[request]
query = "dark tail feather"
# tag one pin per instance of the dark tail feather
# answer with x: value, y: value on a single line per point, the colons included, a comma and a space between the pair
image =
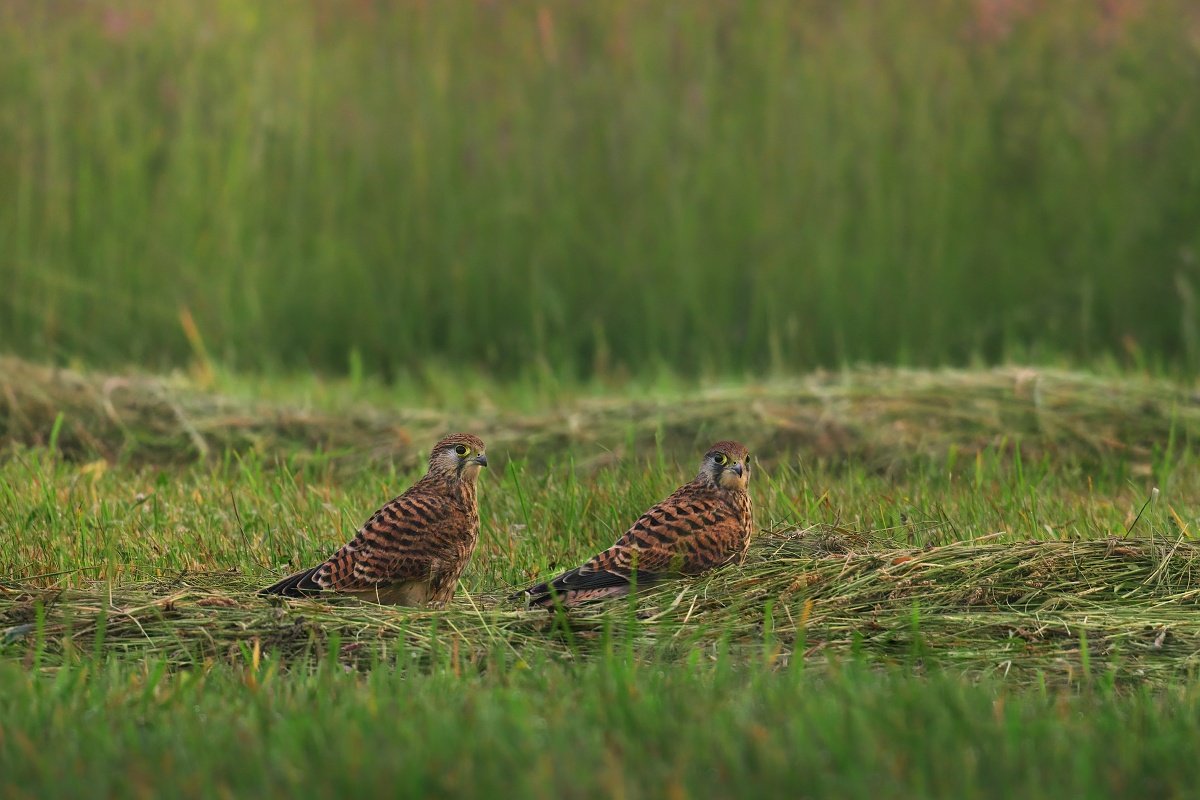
x: 299, y: 585
x: 542, y: 594
x: 569, y: 589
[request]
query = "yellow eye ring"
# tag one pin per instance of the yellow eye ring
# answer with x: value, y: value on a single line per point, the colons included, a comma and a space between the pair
x: 720, y: 459
x: 462, y: 450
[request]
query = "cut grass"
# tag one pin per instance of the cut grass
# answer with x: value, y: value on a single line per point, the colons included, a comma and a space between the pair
x: 1050, y: 611
x: 878, y: 419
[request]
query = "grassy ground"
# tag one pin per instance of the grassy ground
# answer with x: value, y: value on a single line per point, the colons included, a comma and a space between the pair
x: 984, y: 586
x: 967, y: 583
x: 613, y: 728
x: 594, y: 188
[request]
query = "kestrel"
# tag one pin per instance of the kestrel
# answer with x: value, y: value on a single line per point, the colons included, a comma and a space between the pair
x: 414, y: 549
x: 703, y: 525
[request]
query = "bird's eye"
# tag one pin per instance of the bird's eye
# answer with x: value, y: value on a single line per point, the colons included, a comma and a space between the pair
x: 720, y: 459
x: 462, y: 450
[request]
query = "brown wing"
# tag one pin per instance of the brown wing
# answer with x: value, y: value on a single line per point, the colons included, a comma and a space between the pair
x: 409, y: 539
x: 692, y: 531
x: 421, y: 535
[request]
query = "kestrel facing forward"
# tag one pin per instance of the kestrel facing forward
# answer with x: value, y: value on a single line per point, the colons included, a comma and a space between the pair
x: 414, y: 549
x: 703, y: 525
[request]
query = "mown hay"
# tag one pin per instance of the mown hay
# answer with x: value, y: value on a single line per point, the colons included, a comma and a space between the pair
x: 1058, y: 608
x: 881, y: 418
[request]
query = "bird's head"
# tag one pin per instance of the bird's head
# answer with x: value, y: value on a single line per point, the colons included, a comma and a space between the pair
x: 726, y: 464
x: 458, y: 456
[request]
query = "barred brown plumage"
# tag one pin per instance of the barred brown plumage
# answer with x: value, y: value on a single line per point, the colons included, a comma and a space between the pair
x: 413, y: 550
x: 704, y: 524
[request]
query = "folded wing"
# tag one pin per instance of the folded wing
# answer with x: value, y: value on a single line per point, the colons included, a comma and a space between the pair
x: 686, y: 534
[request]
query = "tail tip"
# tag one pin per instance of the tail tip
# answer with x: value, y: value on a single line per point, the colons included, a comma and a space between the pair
x: 291, y: 586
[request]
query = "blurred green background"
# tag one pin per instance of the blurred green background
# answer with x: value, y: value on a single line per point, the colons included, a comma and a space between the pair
x: 599, y: 188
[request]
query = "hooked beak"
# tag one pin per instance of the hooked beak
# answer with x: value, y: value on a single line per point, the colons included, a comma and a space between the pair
x: 737, y: 469
x: 480, y: 459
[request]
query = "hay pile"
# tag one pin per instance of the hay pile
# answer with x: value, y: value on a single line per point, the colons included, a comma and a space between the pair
x: 881, y: 418
x: 168, y: 421
x: 1129, y: 606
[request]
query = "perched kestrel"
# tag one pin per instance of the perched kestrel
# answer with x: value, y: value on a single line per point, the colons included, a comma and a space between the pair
x: 703, y: 525
x: 414, y: 549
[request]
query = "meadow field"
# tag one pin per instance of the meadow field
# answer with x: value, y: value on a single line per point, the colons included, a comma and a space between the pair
x: 935, y: 266
x: 599, y: 188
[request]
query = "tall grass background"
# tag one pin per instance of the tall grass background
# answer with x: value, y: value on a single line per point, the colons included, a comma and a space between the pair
x: 599, y: 188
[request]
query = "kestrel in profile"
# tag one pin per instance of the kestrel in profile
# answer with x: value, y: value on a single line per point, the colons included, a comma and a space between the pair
x: 703, y: 525
x: 414, y: 549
